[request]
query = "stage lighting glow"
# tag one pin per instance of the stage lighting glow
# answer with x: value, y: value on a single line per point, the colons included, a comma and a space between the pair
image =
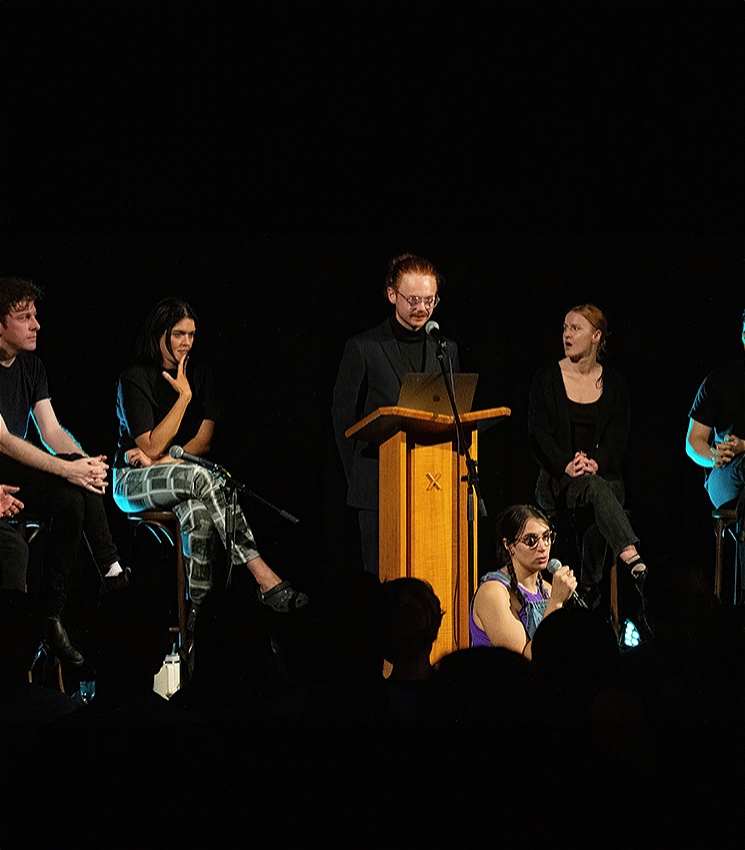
x: 631, y: 636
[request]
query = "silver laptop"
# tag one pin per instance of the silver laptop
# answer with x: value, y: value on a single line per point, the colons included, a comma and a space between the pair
x: 426, y: 391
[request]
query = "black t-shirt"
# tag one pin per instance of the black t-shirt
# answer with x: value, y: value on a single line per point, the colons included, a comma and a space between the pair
x: 22, y: 384
x: 144, y: 397
x: 720, y: 401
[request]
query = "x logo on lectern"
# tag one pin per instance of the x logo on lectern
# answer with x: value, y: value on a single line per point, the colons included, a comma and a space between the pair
x: 433, y: 481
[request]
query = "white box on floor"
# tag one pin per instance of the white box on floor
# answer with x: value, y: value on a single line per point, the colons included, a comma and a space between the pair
x: 168, y: 679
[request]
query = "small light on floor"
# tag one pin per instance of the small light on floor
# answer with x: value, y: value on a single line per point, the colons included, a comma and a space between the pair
x: 631, y: 636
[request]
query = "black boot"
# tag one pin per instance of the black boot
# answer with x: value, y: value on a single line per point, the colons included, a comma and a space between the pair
x: 120, y: 582
x: 59, y: 643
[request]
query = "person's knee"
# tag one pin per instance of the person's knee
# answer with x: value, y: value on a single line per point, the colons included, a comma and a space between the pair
x: 598, y: 488
x: 62, y: 503
x: 68, y: 502
x: 204, y: 483
x: 194, y: 519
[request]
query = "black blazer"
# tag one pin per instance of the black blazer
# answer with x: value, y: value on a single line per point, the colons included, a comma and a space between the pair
x: 370, y: 376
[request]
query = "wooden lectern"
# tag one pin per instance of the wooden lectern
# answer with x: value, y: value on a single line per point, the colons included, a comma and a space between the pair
x: 423, y: 506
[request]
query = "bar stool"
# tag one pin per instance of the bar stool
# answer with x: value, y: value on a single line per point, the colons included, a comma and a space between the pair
x: 725, y: 519
x: 164, y: 525
x: 573, y: 520
x: 29, y: 527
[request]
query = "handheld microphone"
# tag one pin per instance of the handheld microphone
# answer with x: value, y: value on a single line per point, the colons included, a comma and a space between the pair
x: 177, y: 453
x: 433, y: 329
x: 555, y: 564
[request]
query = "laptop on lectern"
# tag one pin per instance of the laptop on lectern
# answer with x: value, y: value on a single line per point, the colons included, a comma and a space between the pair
x: 426, y: 391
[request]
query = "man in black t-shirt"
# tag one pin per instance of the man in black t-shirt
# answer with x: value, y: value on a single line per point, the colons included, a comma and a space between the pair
x: 716, y: 439
x: 63, y: 485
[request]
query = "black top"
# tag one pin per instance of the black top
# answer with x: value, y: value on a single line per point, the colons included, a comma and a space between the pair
x: 584, y: 424
x: 720, y: 401
x: 410, y: 344
x: 144, y: 397
x: 551, y: 431
x: 22, y: 384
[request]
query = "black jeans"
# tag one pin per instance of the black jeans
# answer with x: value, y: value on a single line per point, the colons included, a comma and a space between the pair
x: 13, y: 558
x: 68, y: 511
x: 609, y: 526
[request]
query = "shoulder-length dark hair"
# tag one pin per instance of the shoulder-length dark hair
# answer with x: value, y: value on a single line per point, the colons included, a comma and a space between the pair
x: 161, y: 320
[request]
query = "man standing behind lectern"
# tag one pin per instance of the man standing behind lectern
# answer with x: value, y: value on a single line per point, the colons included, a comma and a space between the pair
x: 370, y: 375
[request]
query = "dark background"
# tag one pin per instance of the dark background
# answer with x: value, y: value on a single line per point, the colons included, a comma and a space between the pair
x: 266, y: 167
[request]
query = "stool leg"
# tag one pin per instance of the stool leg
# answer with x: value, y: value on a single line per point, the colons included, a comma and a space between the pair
x: 719, y: 531
x: 185, y: 642
x: 736, y: 577
x: 165, y: 535
x: 614, y: 597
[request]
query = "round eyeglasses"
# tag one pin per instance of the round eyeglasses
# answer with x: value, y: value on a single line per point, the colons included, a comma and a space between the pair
x: 429, y: 301
x: 532, y: 540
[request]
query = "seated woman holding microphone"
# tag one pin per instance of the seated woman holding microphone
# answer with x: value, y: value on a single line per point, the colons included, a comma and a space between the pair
x: 511, y: 602
x: 161, y: 403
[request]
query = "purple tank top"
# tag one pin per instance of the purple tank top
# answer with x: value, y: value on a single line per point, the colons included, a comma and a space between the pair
x: 530, y: 614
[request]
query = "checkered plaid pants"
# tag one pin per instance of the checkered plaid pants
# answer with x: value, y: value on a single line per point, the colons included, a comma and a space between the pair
x: 197, y: 498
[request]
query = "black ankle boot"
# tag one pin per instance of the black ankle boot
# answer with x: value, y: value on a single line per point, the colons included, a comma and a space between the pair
x: 59, y: 642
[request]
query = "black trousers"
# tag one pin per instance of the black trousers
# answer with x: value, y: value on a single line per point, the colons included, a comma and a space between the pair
x: 68, y: 511
x: 13, y: 558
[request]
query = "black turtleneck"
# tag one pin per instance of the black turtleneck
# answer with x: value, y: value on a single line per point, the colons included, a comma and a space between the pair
x: 410, y: 344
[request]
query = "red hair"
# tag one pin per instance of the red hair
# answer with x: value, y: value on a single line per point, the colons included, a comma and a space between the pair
x: 597, y: 318
x: 409, y: 264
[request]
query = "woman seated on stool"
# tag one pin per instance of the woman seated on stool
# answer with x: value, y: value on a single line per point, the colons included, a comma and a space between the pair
x: 579, y: 420
x: 511, y: 602
x: 161, y: 402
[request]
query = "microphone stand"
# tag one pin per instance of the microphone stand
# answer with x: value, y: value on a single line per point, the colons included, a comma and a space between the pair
x: 232, y: 487
x: 472, y: 475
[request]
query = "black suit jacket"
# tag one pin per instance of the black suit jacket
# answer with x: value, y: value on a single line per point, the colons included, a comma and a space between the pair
x: 370, y: 376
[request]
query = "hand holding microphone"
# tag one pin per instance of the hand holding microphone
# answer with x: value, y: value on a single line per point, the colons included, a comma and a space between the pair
x: 564, y: 583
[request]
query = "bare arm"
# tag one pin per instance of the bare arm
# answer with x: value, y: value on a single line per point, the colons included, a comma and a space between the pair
x: 702, y: 451
x: 494, y: 613
x: 52, y: 433
x: 88, y: 472
x: 200, y: 443
x: 155, y: 443
x: 698, y: 444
